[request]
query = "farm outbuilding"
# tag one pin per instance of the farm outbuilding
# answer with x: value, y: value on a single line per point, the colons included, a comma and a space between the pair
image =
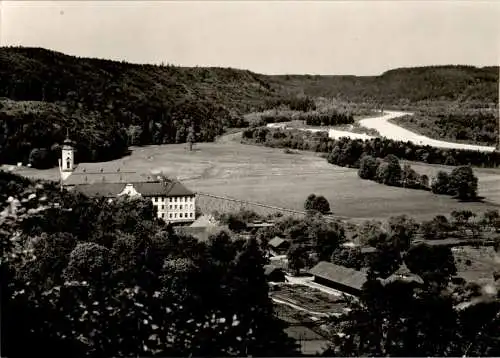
x: 339, y: 277
x: 274, y: 274
x: 278, y: 246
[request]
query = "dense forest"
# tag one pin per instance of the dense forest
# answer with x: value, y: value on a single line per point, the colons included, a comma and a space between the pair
x: 34, y: 131
x: 129, y: 104
x: 141, y: 104
x: 123, y: 283
x: 403, y: 86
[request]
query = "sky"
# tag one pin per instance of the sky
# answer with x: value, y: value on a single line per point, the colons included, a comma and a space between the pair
x: 271, y: 37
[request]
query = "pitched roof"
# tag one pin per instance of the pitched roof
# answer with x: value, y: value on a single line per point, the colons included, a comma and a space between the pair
x: 175, y: 188
x: 204, y: 221
x: 146, y: 189
x: 343, y: 275
x: 107, y: 190
x: 84, y: 176
x: 269, y: 269
x: 403, y: 270
x: 276, y: 242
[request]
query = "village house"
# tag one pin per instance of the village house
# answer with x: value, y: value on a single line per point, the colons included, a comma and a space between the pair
x: 340, y: 278
x: 278, y: 246
x: 274, y: 274
x: 174, y: 203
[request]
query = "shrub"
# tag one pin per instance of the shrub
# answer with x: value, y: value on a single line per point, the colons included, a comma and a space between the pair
x: 441, y: 183
x: 368, y: 167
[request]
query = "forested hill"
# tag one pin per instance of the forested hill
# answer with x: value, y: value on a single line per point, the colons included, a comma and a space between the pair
x: 403, y: 85
x: 142, y: 104
x: 46, y: 92
x: 43, y: 75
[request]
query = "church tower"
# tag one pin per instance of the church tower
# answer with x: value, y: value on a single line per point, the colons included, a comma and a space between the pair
x: 67, y: 161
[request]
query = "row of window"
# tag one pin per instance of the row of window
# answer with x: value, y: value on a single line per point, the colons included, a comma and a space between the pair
x: 170, y: 207
x: 181, y: 216
x: 180, y: 199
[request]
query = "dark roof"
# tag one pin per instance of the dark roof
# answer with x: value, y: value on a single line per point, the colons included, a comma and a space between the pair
x: 175, y: 188
x: 276, y: 242
x: 269, y: 269
x: 68, y: 141
x: 146, y: 189
x: 340, y: 274
x: 90, y: 176
x: 108, y: 190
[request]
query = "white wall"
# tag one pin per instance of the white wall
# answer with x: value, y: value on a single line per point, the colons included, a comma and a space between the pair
x: 176, y: 209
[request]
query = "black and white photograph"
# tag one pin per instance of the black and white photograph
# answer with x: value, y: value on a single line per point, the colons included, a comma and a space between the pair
x: 233, y: 178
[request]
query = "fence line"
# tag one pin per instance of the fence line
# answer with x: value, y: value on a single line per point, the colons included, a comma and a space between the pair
x: 267, y: 206
x: 252, y: 203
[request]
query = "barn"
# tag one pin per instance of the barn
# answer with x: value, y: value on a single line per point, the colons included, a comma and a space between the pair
x: 338, y: 277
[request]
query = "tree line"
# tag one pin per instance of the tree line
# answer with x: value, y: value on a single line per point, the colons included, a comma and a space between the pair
x: 348, y: 152
x: 461, y: 182
x: 312, y: 118
x: 401, y: 86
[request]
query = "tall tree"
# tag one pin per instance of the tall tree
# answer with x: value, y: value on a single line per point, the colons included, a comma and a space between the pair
x: 463, y: 183
x: 190, y: 139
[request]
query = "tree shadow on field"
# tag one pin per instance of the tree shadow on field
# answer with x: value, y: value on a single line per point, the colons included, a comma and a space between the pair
x: 477, y: 199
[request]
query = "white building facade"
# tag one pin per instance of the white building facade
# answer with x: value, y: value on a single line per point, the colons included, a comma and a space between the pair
x: 174, y: 203
x: 180, y: 208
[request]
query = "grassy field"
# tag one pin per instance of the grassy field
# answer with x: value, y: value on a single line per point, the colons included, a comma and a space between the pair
x: 476, y: 263
x: 270, y: 176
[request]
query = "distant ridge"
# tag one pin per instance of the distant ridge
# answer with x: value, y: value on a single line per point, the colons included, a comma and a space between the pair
x: 109, y: 105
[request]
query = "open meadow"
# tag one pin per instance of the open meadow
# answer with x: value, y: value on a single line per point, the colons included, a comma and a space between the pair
x: 271, y: 176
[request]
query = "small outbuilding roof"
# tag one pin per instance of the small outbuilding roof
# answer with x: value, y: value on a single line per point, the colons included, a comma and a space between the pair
x: 340, y: 274
x: 276, y: 242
